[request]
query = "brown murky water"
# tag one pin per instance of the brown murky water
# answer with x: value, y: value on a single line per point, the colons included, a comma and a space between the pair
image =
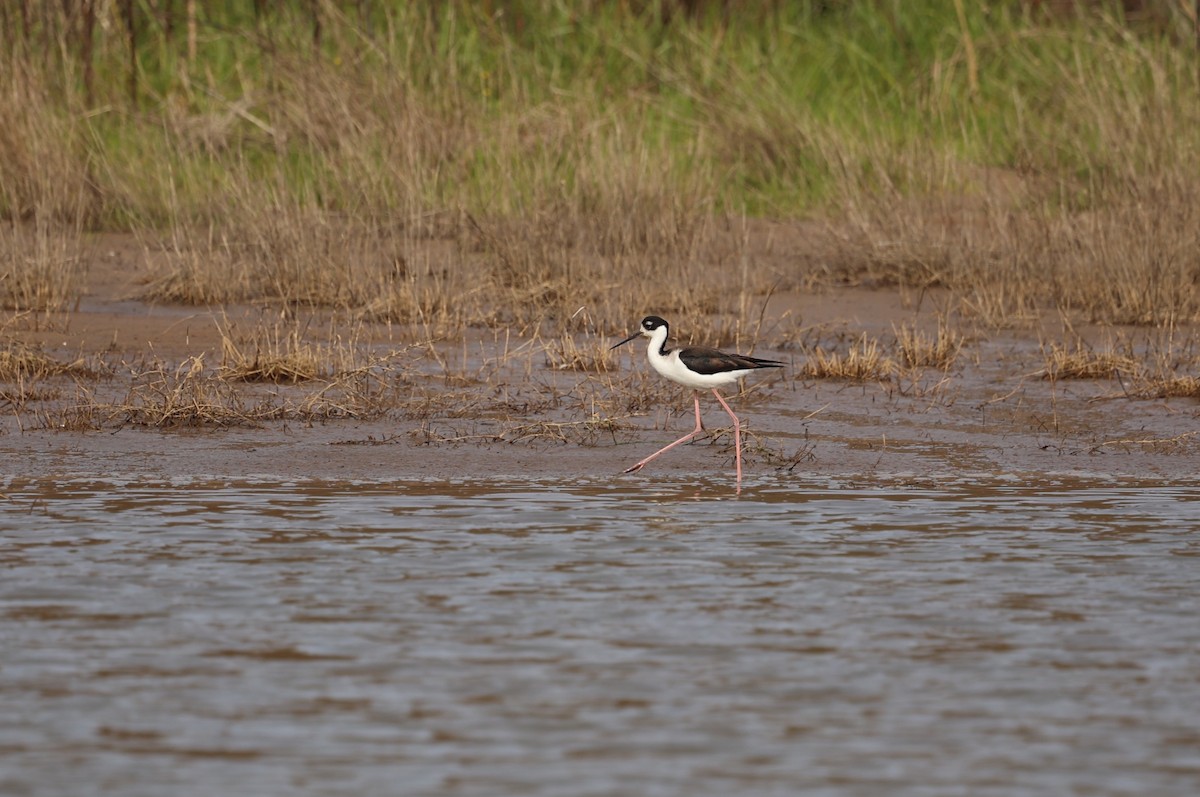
x: 538, y: 637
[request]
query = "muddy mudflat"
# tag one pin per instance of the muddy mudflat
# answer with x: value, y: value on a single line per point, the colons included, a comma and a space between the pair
x: 488, y: 402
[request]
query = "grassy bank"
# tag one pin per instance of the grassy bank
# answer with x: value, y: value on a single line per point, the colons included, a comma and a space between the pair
x: 461, y: 163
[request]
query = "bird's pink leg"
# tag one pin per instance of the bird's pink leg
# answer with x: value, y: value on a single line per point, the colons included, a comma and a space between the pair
x: 737, y: 436
x: 699, y: 428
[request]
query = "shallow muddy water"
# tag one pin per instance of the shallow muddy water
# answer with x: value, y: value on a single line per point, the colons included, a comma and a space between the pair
x: 591, y: 637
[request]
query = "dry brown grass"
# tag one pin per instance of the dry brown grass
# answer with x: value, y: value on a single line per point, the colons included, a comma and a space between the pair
x: 45, y: 177
x: 272, y: 355
x: 1169, y: 386
x: 289, y: 255
x: 191, y: 394
x: 196, y: 269
x: 160, y: 397
x: 1080, y: 361
x: 1103, y: 225
x: 27, y: 376
x: 1131, y: 262
x: 463, y: 272
x: 21, y: 362
x: 568, y: 353
x: 268, y: 373
x: 919, y: 349
x: 863, y: 361
x: 1169, y: 365
x: 40, y: 268
x: 184, y: 396
x: 1153, y: 364
x: 47, y: 196
x: 280, y: 372
x: 343, y: 364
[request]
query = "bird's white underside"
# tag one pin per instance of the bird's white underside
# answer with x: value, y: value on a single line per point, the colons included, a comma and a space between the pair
x: 671, y: 367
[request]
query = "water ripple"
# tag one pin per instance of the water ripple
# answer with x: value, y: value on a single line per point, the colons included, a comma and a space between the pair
x: 585, y: 637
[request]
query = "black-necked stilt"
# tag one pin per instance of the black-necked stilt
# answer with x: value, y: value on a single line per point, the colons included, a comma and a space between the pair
x: 698, y: 368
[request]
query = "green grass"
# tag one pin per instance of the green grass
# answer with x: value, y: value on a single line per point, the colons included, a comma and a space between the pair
x: 779, y: 110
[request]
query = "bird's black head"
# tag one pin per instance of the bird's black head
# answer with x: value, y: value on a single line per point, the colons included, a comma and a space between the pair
x: 647, y: 327
x: 652, y: 322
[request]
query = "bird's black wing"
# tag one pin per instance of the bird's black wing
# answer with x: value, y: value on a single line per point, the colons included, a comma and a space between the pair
x: 713, y: 361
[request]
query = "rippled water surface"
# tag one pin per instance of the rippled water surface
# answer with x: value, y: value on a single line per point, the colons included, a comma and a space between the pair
x: 585, y: 638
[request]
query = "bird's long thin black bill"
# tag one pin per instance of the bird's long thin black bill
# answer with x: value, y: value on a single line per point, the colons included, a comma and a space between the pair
x: 622, y: 343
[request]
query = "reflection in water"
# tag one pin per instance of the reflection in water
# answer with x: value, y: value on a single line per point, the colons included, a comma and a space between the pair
x: 532, y: 638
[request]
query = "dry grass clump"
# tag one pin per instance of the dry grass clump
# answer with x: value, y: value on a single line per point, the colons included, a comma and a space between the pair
x: 862, y: 362
x: 40, y: 267
x: 426, y: 287
x: 159, y: 397
x: 272, y: 356
x: 284, y: 354
x: 24, y: 372
x: 567, y: 353
x: 301, y: 364
x: 919, y: 349
x: 1133, y: 260
x: 288, y: 254
x: 195, y: 269
x: 20, y: 362
x: 1160, y: 366
x: 192, y: 395
x: 353, y: 382
x: 1171, y: 365
x: 522, y: 273
x: 1083, y: 362
x: 185, y: 396
x: 1136, y: 260
x: 1169, y: 386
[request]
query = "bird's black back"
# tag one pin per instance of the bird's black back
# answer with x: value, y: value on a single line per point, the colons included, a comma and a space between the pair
x: 713, y: 361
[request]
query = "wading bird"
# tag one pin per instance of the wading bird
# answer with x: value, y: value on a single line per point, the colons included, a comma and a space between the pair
x: 700, y: 369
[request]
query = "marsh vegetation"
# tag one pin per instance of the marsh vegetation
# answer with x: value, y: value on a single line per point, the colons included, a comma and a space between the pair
x: 410, y: 174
